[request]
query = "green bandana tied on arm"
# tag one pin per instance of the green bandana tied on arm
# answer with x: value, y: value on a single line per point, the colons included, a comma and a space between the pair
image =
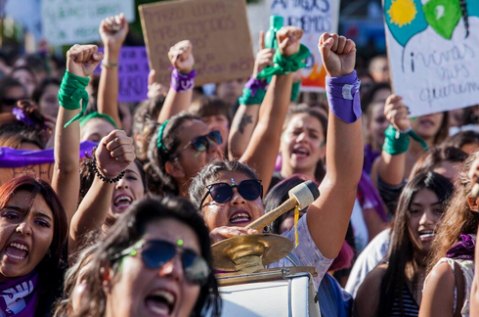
x: 72, y: 91
x: 285, y: 65
x: 397, y: 142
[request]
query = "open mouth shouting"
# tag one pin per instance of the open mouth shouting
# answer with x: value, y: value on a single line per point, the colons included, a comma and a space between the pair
x: 240, y: 217
x: 122, y: 202
x: 300, y: 152
x: 16, y: 251
x: 161, y: 302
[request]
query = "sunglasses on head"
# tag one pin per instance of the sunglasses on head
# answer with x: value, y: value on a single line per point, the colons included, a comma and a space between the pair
x: 202, y: 142
x: 249, y: 189
x: 156, y: 253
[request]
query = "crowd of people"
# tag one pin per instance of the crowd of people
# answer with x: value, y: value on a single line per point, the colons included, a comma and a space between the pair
x: 127, y: 230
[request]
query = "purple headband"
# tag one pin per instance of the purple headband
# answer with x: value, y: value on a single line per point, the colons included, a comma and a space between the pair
x: 22, y: 117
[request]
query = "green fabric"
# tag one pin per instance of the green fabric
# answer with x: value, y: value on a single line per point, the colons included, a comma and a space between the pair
x: 285, y: 65
x: 395, y: 143
x: 295, y: 91
x: 160, y: 136
x: 417, y: 138
x: 72, y: 91
x: 248, y: 99
x: 96, y: 114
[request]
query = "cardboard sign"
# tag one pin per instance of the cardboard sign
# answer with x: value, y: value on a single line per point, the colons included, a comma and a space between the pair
x: 133, y: 72
x: 433, y: 50
x: 218, y: 30
x: 77, y: 22
x: 315, y: 18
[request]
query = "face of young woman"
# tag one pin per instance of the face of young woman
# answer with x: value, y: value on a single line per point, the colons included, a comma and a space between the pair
x: 377, y: 125
x: 12, y: 95
x: 424, y: 214
x: 49, y: 101
x: 190, y: 160
x: 141, y: 291
x: 95, y: 130
x: 238, y: 212
x: 219, y: 123
x: 302, y: 143
x: 27, y: 79
x: 26, y: 233
x: 127, y: 190
x: 427, y: 126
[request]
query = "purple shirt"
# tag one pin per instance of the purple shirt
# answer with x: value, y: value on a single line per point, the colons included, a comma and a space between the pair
x: 18, y: 296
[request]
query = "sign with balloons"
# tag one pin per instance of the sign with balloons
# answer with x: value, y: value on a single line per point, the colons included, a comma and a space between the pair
x: 433, y: 48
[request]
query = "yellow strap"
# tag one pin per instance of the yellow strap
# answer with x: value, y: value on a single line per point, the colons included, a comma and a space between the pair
x: 296, y: 218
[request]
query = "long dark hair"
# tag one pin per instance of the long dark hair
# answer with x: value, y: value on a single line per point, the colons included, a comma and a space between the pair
x: 129, y: 229
x: 40, y: 187
x: 159, y: 181
x: 401, y: 248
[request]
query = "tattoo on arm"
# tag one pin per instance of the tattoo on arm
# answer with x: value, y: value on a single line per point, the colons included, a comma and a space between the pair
x: 245, y: 120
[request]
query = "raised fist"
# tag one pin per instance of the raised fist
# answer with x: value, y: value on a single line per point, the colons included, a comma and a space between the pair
x: 114, y: 153
x: 289, y: 40
x: 181, y: 56
x: 113, y: 31
x: 83, y: 59
x: 338, y: 54
x: 397, y: 113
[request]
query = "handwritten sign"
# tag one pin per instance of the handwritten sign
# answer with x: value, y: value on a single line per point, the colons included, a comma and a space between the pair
x: 433, y: 50
x: 218, y: 30
x: 314, y: 17
x: 133, y: 72
x: 72, y: 22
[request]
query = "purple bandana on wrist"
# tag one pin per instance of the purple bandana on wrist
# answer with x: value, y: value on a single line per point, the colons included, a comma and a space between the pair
x: 464, y: 248
x: 20, y: 115
x: 182, y: 82
x: 254, y: 84
x: 343, y: 97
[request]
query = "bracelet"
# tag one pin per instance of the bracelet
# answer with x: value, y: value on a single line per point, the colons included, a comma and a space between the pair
x: 253, y: 92
x: 109, y: 65
x: 343, y: 97
x: 182, y: 82
x: 99, y: 174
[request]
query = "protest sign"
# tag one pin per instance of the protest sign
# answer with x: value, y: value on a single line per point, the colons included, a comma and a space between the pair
x: 77, y: 22
x: 133, y: 72
x: 37, y: 164
x: 218, y: 30
x: 315, y: 17
x: 433, y: 50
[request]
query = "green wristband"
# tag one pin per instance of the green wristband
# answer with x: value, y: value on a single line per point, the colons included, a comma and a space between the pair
x: 295, y: 91
x: 72, y: 91
x: 395, y: 143
x: 285, y: 65
x: 249, y: 99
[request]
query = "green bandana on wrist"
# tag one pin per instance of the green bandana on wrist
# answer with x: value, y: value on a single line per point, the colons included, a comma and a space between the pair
x: 249, y: 99
x: 397, y: 143
x: 72, y: 91
x: 96, y: 114
x: 295, y: 91
x: 285, y: 65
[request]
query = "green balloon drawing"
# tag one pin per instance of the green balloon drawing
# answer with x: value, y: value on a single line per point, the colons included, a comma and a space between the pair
x: 443, y: 16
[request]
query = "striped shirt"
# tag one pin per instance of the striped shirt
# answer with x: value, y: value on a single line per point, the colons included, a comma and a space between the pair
x: 410, y: 307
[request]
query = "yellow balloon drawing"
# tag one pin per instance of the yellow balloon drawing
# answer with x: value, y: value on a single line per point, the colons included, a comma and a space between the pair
x: 402, y: 12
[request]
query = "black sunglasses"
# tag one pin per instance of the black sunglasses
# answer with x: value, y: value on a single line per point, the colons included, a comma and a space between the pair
x: 156, y: 253
x: 202, y: 142
x: 9, y: 101
x: 249, y: 189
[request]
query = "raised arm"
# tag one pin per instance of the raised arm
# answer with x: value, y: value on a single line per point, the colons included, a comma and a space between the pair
x: 391, y: 165
x: 182, y: 81
x: 329, y: 215
x: 474, y: 299
x: 113, y: 31
x: 263, y: 148
x: 113, y: 155
x: 246, y: 116
x: 81, y: 61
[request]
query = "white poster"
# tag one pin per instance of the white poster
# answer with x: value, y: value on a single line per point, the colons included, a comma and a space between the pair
x: 315, y: 17
x: 433, y: 49
x: 68, y: 22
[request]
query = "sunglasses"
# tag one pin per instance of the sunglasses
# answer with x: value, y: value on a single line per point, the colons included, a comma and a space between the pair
x: 156, y: 253
x: 249, y: 189
x: 9, y: 101
x: 202, y: 142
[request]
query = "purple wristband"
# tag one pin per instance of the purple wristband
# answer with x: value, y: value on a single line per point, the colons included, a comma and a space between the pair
x: 343, y: 97
x: 182, y: 82
x: 254, y: 84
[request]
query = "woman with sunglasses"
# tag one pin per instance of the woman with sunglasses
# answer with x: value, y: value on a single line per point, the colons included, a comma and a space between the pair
x: 229, y: 194
x: 156, y: 261
x: 183, y: 145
